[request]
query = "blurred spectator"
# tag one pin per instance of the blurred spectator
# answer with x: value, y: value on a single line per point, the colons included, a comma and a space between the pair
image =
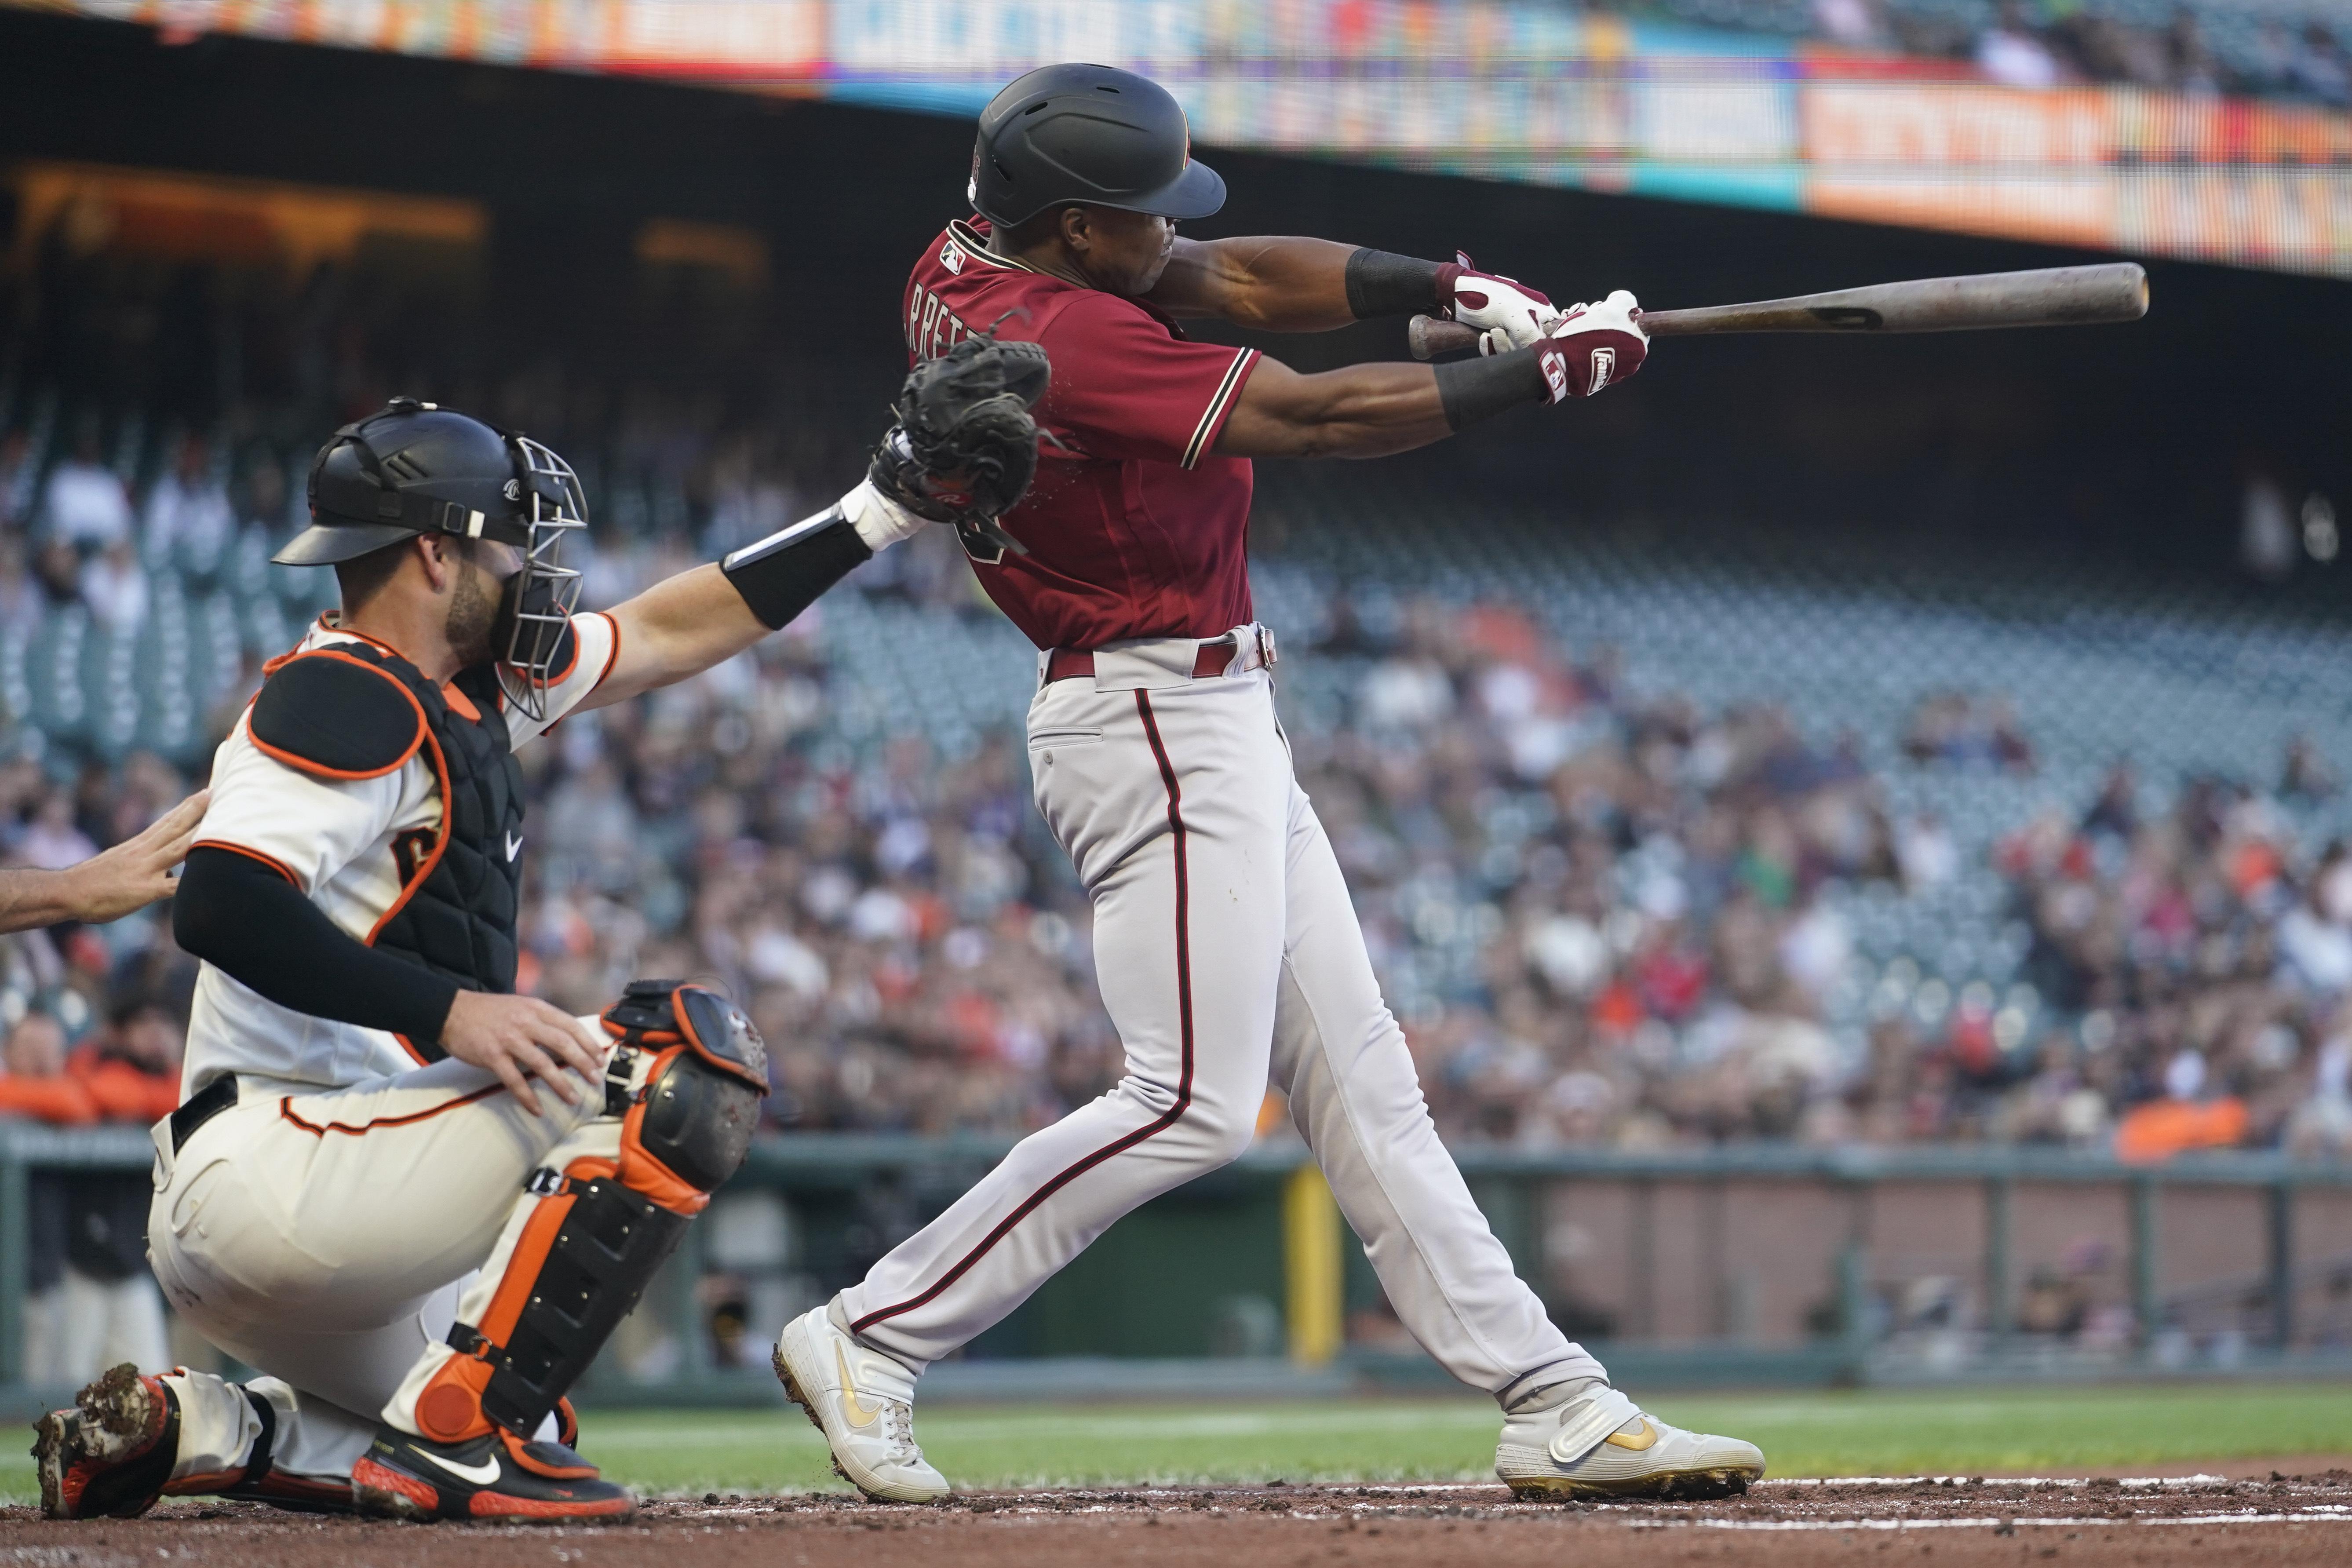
x: 1955, y: 728
x: 84, y: 504
x: 2307, y: 778
x: 52, y: 840
x: 21, y: 599
x: 114, y: 586
x: 36, y: 1086
x: 2319, y: 68
x: 188, y: 518
x: 2012, y: 54
x: 17, y: 474
x: 1856, y: 24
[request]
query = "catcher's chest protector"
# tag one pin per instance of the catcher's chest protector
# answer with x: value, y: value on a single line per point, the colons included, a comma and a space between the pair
x: 460, y: 883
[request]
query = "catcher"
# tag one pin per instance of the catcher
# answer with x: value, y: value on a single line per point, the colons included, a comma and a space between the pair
x: 416, y: 1202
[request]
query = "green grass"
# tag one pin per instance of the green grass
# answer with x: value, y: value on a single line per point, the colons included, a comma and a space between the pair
x: 1871, y: 1433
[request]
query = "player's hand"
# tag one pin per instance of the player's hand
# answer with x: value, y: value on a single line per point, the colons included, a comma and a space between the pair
x: 1507, y: 312
x: 1593, y: 346
x: 137, y: 871
x: 514, y: 1036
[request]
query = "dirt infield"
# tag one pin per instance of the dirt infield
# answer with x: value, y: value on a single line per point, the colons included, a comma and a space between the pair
x: 2238, y: 1512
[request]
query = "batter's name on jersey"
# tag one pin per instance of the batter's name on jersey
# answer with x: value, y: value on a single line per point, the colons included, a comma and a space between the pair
x: 931, y: 328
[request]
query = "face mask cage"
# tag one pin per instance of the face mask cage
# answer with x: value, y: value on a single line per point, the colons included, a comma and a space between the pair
x: 543, y: 593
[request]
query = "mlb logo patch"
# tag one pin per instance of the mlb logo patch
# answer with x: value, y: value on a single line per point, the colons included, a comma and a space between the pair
x: 951, y: 256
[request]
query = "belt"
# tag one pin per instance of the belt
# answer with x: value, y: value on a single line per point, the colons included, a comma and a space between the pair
x: 203, y: 1105
x: 1215, y: 655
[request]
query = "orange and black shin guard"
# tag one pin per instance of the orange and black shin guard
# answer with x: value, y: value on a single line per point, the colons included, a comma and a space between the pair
x: 602, y: 1227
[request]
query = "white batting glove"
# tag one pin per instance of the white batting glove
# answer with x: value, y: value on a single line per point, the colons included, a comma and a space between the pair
x: 1506, y: 314
x: 1593, y: 346
x: 880, y: 521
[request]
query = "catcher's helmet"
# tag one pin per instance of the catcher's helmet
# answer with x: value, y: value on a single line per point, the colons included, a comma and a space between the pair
x: 416, y: 467
x: 1093, y: 134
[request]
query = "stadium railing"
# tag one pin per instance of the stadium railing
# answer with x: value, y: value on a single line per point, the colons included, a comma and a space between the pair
x: 1273, y: 1200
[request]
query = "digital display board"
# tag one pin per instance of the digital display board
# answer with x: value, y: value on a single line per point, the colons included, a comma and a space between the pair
x: 1504, y: 90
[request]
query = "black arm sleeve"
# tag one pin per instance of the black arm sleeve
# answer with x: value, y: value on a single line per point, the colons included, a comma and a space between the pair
x: 1471, y: 390
x: 260, y: 930
x: 1383, y: 283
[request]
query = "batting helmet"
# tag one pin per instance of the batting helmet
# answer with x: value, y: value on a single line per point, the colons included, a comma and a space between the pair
x: 1093, y: 134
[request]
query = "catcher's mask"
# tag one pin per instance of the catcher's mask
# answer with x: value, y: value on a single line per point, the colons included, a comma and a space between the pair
x: 419, y: 468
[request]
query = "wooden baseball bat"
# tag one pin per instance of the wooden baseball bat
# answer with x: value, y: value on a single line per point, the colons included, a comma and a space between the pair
x: 2048, y: 297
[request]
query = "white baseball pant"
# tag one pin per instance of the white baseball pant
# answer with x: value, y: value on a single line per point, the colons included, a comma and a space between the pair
x: 1227, y: 953
x: 330, y: 1239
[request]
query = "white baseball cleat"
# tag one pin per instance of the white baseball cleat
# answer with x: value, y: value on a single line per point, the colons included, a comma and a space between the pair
x: 863, y: 1404
x: 1599, y: 1444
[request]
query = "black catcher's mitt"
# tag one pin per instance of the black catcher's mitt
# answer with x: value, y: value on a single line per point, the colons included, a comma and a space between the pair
x: 965, y: 447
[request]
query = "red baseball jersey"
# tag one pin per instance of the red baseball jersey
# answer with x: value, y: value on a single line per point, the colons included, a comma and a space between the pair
x: 1135, y: 527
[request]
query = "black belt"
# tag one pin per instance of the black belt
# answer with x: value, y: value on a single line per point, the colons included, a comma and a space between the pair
x: 202, y: 1107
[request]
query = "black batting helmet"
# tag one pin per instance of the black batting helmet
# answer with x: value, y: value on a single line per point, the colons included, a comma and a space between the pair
x: 1093, y: 134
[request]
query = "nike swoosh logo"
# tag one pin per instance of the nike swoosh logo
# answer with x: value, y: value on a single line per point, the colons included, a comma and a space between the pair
x: 514, y: 846
x: 860, y: 1413
x: 481, y: 1475
x: 1648, y: 1439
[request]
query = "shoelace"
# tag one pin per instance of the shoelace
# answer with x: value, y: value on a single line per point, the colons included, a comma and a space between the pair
x: 898, y: 1427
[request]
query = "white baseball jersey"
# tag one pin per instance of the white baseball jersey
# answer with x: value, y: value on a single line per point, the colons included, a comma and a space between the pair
x: 350, y: 845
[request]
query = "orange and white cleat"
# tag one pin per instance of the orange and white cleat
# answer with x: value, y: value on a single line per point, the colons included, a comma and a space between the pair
x: 110, y: 1456
x: 498, y: 1475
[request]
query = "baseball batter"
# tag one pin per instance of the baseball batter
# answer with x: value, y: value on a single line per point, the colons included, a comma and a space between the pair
x: 416, y: 1202
x: 1227, y: 951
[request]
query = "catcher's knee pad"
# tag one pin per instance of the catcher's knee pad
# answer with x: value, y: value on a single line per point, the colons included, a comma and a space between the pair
x: 602, y: 1227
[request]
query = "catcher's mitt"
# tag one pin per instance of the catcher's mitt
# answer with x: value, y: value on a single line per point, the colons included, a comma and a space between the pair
x: 964, y: 447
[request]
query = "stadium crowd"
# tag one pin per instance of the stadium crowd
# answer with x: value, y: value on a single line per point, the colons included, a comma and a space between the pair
x: 1605, y: 918
x: 2215, y: 46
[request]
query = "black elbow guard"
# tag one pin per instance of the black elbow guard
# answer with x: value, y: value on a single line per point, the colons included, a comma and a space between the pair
x: 783, y: 574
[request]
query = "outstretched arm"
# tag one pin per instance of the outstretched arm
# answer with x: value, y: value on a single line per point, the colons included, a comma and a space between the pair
x: 703, y: 617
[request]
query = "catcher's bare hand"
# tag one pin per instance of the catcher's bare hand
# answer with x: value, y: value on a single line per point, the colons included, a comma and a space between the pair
x: 512, y: 1036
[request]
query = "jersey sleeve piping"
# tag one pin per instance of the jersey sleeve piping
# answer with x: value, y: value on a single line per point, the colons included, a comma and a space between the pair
x: 613, y: 655
x: 1220, y: 406
x: 271, y: 861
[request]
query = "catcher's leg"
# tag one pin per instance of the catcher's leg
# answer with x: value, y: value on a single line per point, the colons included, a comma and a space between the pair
x: 317, y: 1238
x: 592, y: 1224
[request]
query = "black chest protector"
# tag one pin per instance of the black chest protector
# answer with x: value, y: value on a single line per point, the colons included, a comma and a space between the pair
x: 353, y: 711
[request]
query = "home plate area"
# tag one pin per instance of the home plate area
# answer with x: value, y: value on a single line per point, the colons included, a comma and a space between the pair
x: 2248, y: 1514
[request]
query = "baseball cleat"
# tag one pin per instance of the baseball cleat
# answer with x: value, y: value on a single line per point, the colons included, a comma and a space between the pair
x: 109, y: 1456
x: 1602, y: 1446
x: 865, y: 1406
x: 495, y: 1476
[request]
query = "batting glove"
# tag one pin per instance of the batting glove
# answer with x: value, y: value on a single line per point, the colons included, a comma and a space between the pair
x: 1506, y: 314
x: 1592, y: 346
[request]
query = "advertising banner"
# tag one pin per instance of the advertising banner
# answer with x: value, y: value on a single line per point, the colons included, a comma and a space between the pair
x: 1500, y: 90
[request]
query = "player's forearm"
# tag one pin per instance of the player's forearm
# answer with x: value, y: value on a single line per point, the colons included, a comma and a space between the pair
x: 683, y: 626
x: 1282, y: 284
x: 1372, y: 410
x: 30, y: 899
x: 678, y: 627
